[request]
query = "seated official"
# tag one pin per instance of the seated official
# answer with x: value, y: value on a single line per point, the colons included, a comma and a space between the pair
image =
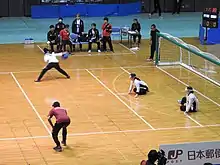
x: 65, y: 38
x: 189, y: 103
x: 138, y: 86
x: 93, y: 37
x: 136, y: 26
x: 52, y: 38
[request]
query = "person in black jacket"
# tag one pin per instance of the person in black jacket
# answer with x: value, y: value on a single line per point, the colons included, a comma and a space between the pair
x: 153, y: 41
x: 78, y: 28
x: 52, y: 38
x: 93, y: 36
x: 60, y: 25
x: 176, y: 6
x: 136, y: 26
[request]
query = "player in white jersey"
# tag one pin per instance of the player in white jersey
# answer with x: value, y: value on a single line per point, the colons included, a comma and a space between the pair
x: 138, y: 86
x: 189, y: 103
x: 53, y: 62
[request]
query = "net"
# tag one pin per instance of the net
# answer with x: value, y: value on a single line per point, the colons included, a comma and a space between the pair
x: 173, y: 51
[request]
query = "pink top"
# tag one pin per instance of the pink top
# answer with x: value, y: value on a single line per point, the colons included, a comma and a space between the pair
x: 60, y: 114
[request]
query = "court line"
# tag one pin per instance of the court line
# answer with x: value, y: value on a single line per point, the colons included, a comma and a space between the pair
x: 93, y: 55
x: 140, y: 66
x: 120, y: 100
x: 187, y: 85
x: 31, y: 104
x: 111, y: 132
x: 186, y: 114
x: 122, y: 45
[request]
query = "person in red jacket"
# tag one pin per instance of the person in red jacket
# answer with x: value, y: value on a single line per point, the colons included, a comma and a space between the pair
x: 65, y: 38
x: 106, y: 33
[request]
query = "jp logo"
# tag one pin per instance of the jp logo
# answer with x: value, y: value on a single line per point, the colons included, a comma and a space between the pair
x: 174, y: 154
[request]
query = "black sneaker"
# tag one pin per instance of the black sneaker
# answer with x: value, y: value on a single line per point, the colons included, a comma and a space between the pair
x: 68, y: 77
x: 36, y: 80
x: 58, y: 149
x: 64, y: 143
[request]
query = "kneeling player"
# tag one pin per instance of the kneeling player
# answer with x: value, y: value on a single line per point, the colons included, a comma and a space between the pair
x: 138, y: 86
x: 53, y: 62
x: 190, y: 102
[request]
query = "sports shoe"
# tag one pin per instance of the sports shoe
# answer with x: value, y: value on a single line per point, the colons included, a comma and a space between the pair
x: 58, y: 149
x: 99, y: 51
x: 149, y: 16
x: 36, y: 80
x: 68, y: 77
x: 89, y: 51
x: 179, y: 101
x: 64, y: 143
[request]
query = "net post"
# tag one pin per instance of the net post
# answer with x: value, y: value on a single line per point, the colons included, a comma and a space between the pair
x: 157, y: 49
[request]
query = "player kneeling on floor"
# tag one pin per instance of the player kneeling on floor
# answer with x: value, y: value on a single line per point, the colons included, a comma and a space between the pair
x: 53, y: 62
x: 189, y: 103
x: 138, y: 86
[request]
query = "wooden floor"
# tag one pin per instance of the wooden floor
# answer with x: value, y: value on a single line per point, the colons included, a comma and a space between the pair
x: 108, y: 126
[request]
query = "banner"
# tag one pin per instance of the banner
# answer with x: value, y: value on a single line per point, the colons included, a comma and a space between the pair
x: 192, y: 153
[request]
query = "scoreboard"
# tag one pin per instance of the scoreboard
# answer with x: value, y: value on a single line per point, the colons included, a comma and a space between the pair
x: 210, y: 17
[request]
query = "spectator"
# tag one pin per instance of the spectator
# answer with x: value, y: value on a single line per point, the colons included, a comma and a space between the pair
x: 136, y: 26
x: 78, y: 28
x: 93, y: 36
x: 156, y: 7
x: 65, y: 38
x: 106, y: 33
x: 60, y: 25
x: 176, y: 6
x: 52, y: 38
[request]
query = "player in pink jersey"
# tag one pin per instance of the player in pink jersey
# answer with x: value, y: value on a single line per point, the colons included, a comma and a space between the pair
x: 62, y: 121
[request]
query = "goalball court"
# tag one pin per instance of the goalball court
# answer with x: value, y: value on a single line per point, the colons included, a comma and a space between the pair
x: 108, y: 126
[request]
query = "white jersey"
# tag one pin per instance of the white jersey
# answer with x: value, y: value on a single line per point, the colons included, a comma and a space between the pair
x: 192, y: 102
x: 52, y: 57
x: 137, y: 84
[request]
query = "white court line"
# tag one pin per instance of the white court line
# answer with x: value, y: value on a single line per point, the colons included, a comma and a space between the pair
x: 93, y: 55
x: 40, y: 49
x: 187, y: 85
x: 186, y: 115
x: 120, y: 100
x: 127, y: 48
x: 110, y: 132
x: 29, y: 101
x: 140, y: 66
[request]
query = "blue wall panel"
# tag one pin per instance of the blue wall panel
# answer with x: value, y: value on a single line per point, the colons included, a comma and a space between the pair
x: 128, y: 9
x: 90, y: 10
x: 101, y: 10
x: 45, y: 11
x: 72, y: 10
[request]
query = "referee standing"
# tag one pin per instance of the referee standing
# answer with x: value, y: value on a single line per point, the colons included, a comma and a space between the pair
x: 153, y: 41
x: 53, y: 62
x: 62, y: 121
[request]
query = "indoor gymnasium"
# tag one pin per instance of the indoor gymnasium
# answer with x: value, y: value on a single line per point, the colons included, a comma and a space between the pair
x: 140, y: 83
